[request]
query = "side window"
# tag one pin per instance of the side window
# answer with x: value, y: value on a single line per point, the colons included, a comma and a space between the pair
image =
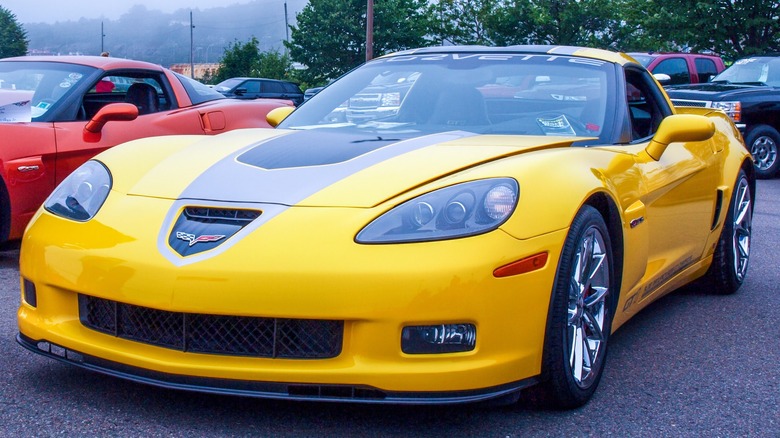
x: 646, y: 105
x: 252, y: 86
x: 676, y: 68
x: 273, y: 87
x: 146, y: 90
x: 291, y: 88
x: 706, y: 68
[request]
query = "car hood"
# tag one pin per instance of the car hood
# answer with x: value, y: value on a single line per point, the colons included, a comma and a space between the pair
x: 307, y: 167
x: 713, y: 91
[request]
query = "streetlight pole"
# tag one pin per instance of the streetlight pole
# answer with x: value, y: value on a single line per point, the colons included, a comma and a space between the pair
x: 192, y: 59
x: 102, y: 37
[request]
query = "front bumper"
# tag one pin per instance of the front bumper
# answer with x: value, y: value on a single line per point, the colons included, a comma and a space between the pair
x: 268, y: 390
x: 376, y: 290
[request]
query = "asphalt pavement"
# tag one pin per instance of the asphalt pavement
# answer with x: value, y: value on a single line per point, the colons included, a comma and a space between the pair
x: 689, y: 365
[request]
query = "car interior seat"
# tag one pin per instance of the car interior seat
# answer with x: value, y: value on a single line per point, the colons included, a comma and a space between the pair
x: 144, y: 96
x: 460, y: 107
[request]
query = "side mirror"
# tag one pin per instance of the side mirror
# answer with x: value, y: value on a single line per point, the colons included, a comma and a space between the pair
x: 679, y: 128
x: 663, y: 78
x: 276, y: 115
x: 239, y: 91
x: 109, y: 113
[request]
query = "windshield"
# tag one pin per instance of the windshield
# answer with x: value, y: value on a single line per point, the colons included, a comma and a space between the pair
x: 29, y: 89
x: 228, y: 84
x: 494, y: 93
x: 758, y: 70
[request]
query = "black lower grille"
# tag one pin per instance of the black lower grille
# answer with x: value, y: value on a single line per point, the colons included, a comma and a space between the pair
x: 214, y: 334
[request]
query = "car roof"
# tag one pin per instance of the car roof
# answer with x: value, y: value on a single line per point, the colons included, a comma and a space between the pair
x: 658, y: 54
x: 585, y: 52
x: 101, y: 62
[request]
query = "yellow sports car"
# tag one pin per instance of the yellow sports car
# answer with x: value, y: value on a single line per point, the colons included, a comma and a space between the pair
x: 440, y: 225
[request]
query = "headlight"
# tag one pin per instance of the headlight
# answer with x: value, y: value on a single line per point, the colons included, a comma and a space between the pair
x: 732, y: 108
x: 460, y: 210
x: 82, y: 193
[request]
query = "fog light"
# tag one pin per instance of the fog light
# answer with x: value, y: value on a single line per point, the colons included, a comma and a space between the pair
x: 443, y: 338
x: 28, y: 291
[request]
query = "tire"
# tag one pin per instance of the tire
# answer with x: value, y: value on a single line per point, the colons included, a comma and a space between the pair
x: 732, y: 254
x: 580, y: 318
x: 763, y: 141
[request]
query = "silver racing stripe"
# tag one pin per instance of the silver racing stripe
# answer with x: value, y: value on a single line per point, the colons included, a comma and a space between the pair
x: 234, y: 181
x: 232, y: 184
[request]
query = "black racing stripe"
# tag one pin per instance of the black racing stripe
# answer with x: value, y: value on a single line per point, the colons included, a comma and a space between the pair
x: 311, y: 148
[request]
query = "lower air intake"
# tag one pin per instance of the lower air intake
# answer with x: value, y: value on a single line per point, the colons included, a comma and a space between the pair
x: 214, y: 334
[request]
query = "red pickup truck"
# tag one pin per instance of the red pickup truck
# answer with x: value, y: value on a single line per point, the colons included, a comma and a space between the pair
x: 682, y: 68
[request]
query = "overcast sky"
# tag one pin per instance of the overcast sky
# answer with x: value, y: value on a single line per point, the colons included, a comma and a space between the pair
x: 50, y: 11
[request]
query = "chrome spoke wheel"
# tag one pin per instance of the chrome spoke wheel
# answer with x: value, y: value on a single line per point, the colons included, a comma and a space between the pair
x: 764, y: 151
x: 587, y: 309
x: 742, y: 226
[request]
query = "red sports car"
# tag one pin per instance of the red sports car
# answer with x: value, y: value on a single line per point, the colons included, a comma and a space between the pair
x: 57, y: 112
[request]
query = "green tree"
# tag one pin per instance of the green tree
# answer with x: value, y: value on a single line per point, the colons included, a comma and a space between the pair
x: 329, y: 38
x: 240, y: 59
x: 246, y: 60
x: 274, y: 65
x: 465, y: 21
x: 13, y: 38
x: 731, y: 28
x: 592, y: 23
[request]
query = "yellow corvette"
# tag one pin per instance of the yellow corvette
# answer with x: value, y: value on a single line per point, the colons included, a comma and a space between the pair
x: 440, y: 225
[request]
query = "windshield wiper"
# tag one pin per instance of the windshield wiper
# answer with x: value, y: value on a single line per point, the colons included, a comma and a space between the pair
x: 378, y: 138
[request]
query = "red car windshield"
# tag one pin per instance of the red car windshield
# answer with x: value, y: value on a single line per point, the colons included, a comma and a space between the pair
x: 28, y: 90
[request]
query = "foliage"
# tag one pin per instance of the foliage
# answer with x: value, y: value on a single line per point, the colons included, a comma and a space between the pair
x: 13, y: 38
x: 731, y: 28
x: 329, y: 38
x: 246, y: 60
x: 274, y: 65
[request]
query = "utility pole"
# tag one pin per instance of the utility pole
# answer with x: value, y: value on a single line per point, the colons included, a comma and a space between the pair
x: 286, y: 28
x: 192, y: 47
x: 102, y: 38
x: 370, y: 31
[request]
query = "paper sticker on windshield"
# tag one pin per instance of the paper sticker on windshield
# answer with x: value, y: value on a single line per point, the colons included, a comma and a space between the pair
x: 15, y: 106
x: 556, y: 125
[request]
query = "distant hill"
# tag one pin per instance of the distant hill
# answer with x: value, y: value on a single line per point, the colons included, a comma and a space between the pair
x: 164, y: 38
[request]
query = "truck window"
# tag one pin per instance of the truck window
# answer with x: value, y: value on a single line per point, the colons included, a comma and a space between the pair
x: 706, y: 68
x: 676, y: 68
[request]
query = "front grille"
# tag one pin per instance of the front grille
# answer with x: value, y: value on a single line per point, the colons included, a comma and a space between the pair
x: 206, y: 214
x: 696, y: 103
x: 214, y: 334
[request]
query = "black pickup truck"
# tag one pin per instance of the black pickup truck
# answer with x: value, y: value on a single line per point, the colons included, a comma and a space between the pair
x: 749, y: 92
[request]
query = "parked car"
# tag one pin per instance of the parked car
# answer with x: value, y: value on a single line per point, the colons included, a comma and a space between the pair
x: 57, y: 112
x: 681, y: 68
x: 466, y: 247
x: 260, y: 88
x: 749, y: 92
x: 309, y: 92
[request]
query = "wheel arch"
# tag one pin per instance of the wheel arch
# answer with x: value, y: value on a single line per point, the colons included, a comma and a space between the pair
x: 609, y: 211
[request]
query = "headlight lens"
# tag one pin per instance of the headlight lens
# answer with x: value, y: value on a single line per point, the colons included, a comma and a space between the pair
x: 732, y: 108
x: 82, y: 193
x: 460, y: 210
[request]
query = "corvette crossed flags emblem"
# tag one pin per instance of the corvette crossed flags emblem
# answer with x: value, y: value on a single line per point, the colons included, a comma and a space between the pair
x: 199, y: 239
